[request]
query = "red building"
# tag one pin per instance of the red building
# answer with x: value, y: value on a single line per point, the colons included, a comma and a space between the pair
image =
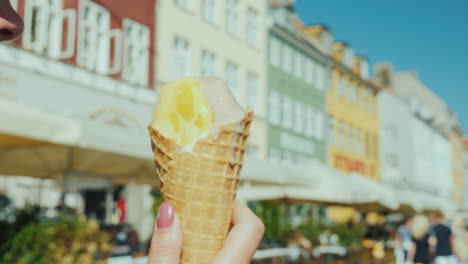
x: 113, y: 38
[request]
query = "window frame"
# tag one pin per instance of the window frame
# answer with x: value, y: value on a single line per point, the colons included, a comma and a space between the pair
x: 252, y: 27
x: 232, y: 17
x: 136, y: 73
x: 181, y: 59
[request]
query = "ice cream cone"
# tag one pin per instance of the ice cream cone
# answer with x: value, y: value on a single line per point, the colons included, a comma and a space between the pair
x: 201, y: 184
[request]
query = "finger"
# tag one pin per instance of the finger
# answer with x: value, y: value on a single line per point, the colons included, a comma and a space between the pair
x: 244, y: 237
x: 166, y: 243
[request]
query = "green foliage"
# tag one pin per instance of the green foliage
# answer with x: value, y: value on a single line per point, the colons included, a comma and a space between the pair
x: 275, y: 217
x: 312, y: 230
x: 23, y: 217
x: 157, y: 201
x: 68, y: 240
x: 350, y: 235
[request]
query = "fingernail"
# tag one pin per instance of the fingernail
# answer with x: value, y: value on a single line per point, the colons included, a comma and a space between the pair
x: 165, y: 215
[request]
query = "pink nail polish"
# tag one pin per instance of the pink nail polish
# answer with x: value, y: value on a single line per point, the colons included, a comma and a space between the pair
x: 165, y: 215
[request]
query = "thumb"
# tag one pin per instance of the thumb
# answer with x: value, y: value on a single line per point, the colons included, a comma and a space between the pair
x: 166, y: 243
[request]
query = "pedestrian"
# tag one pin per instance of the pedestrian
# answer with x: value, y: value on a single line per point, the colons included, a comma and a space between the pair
x: 445, y: 241
x: 422, y: 242
x: 11, y: 25
x: 403, y: 237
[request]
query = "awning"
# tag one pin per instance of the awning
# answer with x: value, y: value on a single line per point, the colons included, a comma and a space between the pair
x: 41, y: 144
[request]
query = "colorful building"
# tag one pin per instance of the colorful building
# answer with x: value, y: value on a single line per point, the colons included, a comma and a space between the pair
x: 225, y: 39
x: 81, y: 62
x: 297, y: 79
x: 431, y: 169
x: 465, y: 172
x: 353, y: 126
x: 456, y: 142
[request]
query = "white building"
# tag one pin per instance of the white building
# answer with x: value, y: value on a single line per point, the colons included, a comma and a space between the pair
x: 395, y: 139
x: 415, y: 147
x: 226, y: 39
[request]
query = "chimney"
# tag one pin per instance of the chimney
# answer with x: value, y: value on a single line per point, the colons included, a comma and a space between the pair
x: 384, y: 73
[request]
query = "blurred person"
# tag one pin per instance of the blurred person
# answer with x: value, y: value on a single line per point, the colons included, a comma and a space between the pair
x: 445, y: 240
x: 11, y: 24
x: 239, y: 246
x: 403, y: 237
x: 122, y: 208
x: 422, y: 242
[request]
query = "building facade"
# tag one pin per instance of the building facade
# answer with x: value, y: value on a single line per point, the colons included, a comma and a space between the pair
x: 457, y: 149
x: 465, y: 172
x: 225, y: 39
x: 353, y: 124
x: 86, y: 61
x: 297, y: 81
x: 429, y: 109
x: 395, y: 139
x: 413, y: 138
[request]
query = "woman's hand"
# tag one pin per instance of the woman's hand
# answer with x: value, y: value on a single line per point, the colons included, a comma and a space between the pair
x: 239, y: 246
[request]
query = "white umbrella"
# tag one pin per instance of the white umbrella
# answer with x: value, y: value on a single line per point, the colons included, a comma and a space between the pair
x: 41, y: 144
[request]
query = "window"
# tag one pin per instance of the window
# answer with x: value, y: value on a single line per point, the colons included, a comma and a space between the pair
x: 207, y: 68
x: 320, y: 76
x: 274, y: 106
x: 288, y: 156
x: 309, y: 124
x: 348, y: 57
x: 298, y: 64
x: 281, y: 16
x: 181, y: 58
x: 368, y: 145
x: 252, y: 27
x: 364, y: 69
x: 231, y: 77
x: 352, y: 92
x: 135, y: 67
x: 186, y: 4
x: 331, y: 130
x: 327, y: 40
x: 341, y: 134
x: 286, y: 62
x: 341, y: 86
x: 308, y: 70
x: 376, y: 147
x: 44, y: 26
x: 350, y: 138
x: 287, y: 116
x: 274, y: 155
x: 275, y: 51
x: 94, y: 39
x: 208, y: 11
x: 252, y: 91
x: 232, y: 17
x: 299, y: 120
x: 319, y: 125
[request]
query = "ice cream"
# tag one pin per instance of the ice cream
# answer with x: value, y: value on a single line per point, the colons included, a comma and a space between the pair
x: 199, y: 135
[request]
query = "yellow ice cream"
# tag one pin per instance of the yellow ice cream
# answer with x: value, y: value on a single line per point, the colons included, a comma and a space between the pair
x: 182, y: 112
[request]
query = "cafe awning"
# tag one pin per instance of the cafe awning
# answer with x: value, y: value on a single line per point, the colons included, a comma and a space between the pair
x: 41, y: 144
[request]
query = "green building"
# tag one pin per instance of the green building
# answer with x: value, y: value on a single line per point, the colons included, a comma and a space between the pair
x: 298, y: 75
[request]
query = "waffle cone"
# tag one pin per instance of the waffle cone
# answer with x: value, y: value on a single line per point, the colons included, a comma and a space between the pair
x: 202, y: 185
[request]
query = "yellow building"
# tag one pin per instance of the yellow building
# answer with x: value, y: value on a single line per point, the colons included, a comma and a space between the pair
x: 456, y: 142
x: 352, y: 107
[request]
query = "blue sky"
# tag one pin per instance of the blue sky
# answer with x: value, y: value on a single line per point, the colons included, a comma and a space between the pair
x: 429, y: 36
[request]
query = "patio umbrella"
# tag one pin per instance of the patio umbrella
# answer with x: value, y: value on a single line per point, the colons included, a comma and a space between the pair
x: 40, y: 144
